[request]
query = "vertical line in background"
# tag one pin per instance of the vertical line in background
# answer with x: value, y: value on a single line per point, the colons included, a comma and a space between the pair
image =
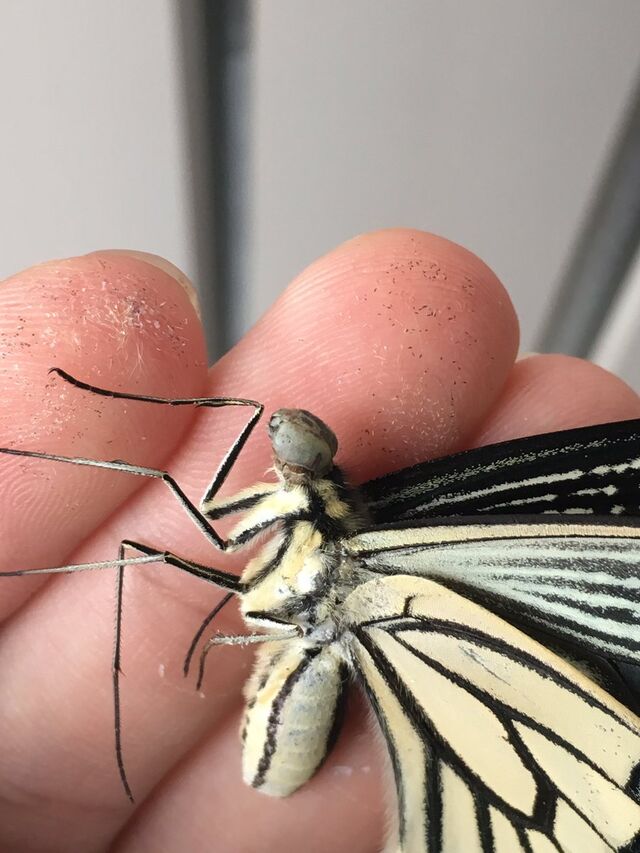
x: 604, y: 251
x: 229, y: 31
x: 215, y: 37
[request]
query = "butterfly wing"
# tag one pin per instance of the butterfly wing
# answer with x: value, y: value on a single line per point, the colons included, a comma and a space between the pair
x: 497, y: 744
x: 579, y: 582
x: 591, y: 471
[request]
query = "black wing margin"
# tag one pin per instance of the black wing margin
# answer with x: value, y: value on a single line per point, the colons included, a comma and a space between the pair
x: 589, y: 470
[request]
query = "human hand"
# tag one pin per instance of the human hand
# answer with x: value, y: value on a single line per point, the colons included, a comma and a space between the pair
x: 404, y: 343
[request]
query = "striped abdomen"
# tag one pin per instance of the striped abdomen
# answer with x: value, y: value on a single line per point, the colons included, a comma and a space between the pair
x: 292, y: 716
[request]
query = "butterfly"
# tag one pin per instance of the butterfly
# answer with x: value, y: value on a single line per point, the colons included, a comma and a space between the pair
x: 487, y: 603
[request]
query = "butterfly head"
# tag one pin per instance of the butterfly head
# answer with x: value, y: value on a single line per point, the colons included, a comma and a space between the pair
x: 303, y: 446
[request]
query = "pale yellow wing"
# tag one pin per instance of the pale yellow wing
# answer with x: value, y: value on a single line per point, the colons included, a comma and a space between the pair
x: 497, y: 744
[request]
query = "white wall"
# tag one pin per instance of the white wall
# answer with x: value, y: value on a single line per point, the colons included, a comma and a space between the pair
x: 92, y: 137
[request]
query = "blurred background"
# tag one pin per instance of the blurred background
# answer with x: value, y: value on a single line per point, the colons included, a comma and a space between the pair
x: 243, y: 138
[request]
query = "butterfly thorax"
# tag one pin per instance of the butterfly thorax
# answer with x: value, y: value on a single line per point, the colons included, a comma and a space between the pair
x: 298, y: 575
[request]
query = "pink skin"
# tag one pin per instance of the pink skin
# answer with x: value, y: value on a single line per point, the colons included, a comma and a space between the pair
x: 403, y: 342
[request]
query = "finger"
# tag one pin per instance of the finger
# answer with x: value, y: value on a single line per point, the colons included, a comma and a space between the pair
x: 392, y: 340
x: 535, y: 398
x: 112, y: 319
x: 545, y: 393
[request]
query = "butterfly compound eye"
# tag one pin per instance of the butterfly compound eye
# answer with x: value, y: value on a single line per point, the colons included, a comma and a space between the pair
x: 302, y: 443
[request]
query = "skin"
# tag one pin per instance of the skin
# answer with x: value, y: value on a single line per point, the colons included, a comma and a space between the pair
x: 403, y: 342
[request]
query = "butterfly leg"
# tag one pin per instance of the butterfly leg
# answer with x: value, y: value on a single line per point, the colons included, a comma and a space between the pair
x: 200, y: 402
x: 189, y: 507
x: 286, y: 632
x: 150, y: 554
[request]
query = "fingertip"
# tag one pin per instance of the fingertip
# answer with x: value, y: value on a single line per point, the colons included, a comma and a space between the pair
x: 110, y: 319
x: 108, y: 313
x: 554, y: 392
x: 162, y: 264
x: 400, y: 339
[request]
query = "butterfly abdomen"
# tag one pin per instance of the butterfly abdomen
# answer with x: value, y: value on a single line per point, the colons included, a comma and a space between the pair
x: 292, y: 716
